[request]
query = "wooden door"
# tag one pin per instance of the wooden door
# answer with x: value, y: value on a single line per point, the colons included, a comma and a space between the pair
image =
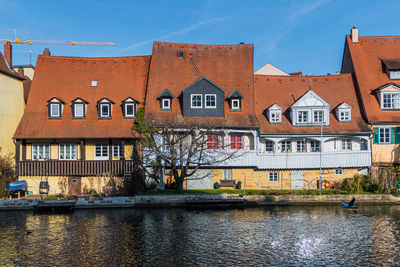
x: 296, y: 180
x: 74, y: 185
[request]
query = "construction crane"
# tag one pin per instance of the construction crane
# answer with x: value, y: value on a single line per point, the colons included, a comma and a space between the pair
x: 51, y: 42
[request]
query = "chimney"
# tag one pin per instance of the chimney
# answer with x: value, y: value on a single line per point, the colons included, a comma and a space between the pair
x: 354, y: 34
x: 21, y: 71
x: 46, y: 52
x: 8, y: 53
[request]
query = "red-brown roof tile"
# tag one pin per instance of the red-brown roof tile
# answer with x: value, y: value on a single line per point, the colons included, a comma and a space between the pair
x: 228, y: 66
x: 367, y: 56
x: 286, y: 90
x: 70, y: 77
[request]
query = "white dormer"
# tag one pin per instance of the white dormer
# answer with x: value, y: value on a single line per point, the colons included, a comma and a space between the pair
x: 343, y: 112
x: 389, y: 96
x: 55, y: 108
x: 310, y: 110
x: 274, y: 114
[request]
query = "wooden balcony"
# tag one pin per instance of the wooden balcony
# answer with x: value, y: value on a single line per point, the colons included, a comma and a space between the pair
x: 75, y: 167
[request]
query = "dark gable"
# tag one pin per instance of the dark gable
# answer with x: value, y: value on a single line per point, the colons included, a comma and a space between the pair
x: 203, y: 87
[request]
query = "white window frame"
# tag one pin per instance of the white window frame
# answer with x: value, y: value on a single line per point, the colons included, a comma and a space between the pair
x: 385, y: 131
x: 394, y: 74
x: 36, y: 150
x: 347, y: 144
x: 163, y: 103
x: 109, y: 110
x: 94, y: 83
x: 339, y: 171
x: 322, y: 116
x: 58, y: 105
x: 269, y: 146
x: 344, y: 115
x: 117, y: 150
x: 83, y: 110
x: 238, y: 104
x: 287, y: 144
x: 101, y: 156
x: 73, y: 150
x: 315, y: 146
x: 201, y: 100
x: 390, y: 103
x: 273, y: 177
x: 215, y: 101
x: 275, y: 116
x: 301, y: 146
x: 126, y: 110
x: 304, y: 119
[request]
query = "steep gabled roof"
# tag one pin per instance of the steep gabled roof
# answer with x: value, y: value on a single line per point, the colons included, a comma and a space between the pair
x: 334, y: 89
x: 70, y: 77
x: 228, y: 66
x: 367, y: 58
x: 165, y: 93
x: 310, y: 99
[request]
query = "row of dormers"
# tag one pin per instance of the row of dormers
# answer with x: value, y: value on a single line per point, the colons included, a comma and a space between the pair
x: 79, y: 108
x: 309, y: 110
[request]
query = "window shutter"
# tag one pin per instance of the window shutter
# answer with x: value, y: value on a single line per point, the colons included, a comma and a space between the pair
x: 376, y: 135
x: 396, y: 131
x: 392, y: 135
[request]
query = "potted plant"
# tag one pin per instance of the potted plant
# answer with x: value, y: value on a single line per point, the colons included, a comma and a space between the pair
x: 216, y: 185
x: 239, y: 185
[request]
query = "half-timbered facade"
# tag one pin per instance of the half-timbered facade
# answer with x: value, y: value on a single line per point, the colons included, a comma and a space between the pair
x: 76, y: 130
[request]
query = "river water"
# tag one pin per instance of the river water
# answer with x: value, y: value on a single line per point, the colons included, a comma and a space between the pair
x: 317, y: 235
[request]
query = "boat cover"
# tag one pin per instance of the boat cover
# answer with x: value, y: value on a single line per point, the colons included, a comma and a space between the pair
x: 17, y: 185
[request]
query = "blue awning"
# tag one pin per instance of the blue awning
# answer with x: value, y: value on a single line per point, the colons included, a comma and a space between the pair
x: 17, y: 185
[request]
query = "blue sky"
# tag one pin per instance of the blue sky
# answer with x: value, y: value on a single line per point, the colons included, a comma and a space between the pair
x: 305, y: 36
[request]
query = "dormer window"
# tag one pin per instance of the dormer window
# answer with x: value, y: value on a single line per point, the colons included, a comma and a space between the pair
x: 392, y: 68
x: 165, y: 99
x: 390, y: 100
x: 394, y: 74
x: 274, y: 114
x: 211, y: 100
x: 235, y: 100
x: 55, y: 108
x: 318, y: 116
x: 310, y: 110
x: 343, y: 112
x: 129, y: 108
x: 105, y: 108
x: 197, y: 101
x: 79, y: 108
x: 181, y: 54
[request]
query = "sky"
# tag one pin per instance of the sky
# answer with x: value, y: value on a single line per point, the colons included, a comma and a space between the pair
x: 305, y: 36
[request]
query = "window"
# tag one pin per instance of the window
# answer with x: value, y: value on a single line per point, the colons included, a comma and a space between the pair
x: 273, y: 177
x: 301, y: 146
x: 40, y: 151
x: 384, y: 135
x: 346, y: 144
x: 181, y: 54
x: 78, y: 110
x: 130, y: 110
x: 105, y: 110
x: 394, y: 74
x: 318, y: 116
x: 235, y: 104
x: 67, y: 151
x: 344, y: 116
x: 302, y: 117
x: 55, y: 110
x: 196, y: 101
x: 166, y: 103
x: 211, y: 101
x: 101, y: 152
x: 94, y: 83
x: 315, y: 146
x: 285, y: 146
x: 391, y: 100
x: 339, y: 171
x: 227, y: 174
x: 212, y: 142
x: 275, y: 116
x: 269, y: 146
x: 117, y: 151
x: 236, y: 142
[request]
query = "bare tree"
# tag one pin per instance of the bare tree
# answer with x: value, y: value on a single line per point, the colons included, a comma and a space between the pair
x: 182, y: 148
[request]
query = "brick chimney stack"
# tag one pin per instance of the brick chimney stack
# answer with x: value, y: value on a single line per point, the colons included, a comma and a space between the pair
x: 46, y: 52
x: 354, y: 34
x: 21, y: 71
x: 8, y: 53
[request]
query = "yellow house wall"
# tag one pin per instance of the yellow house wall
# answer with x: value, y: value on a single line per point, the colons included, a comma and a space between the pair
x: 385, y: 153
x: 12, y: 107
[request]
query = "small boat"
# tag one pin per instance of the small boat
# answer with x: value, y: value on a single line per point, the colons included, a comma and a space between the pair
x: 350, y: 205
x: 17, y: 185
x: 55, y: 206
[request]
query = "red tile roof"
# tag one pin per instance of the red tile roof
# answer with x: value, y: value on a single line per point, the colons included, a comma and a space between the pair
x: 70, y: 77
x: 228, y: 66
x: 367, y: 56
x: 5, y: 69
x: 286, y: 90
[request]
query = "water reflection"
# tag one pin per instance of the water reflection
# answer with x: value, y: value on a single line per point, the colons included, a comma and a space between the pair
x: 260, y: 236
